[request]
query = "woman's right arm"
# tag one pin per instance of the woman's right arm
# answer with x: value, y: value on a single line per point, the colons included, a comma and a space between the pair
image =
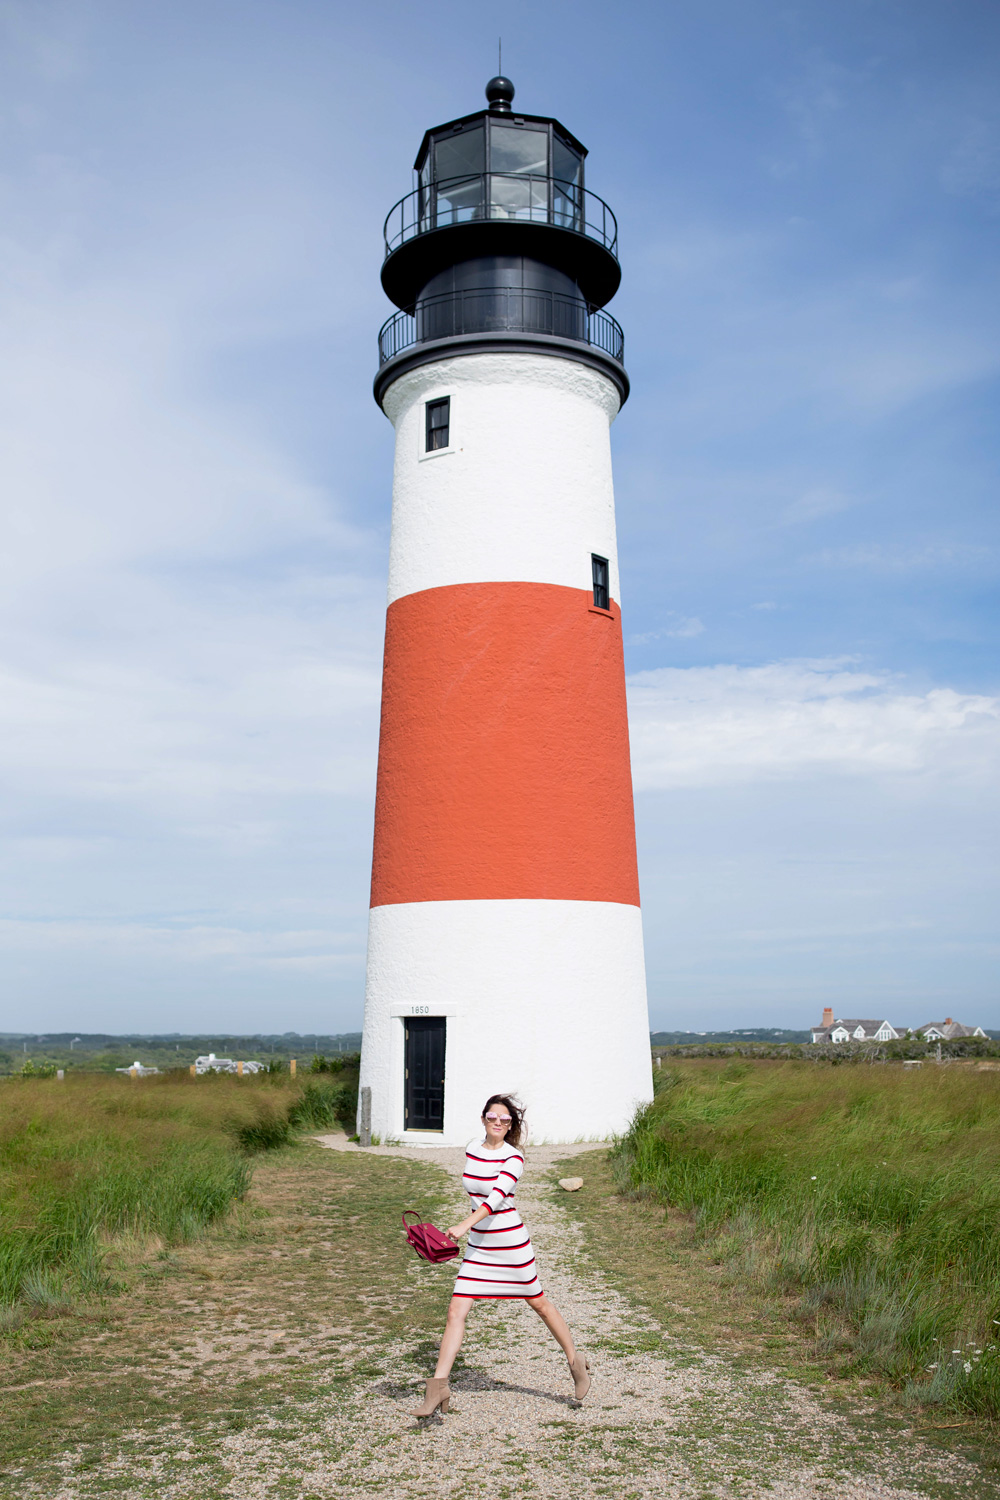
x: 457, y: 1230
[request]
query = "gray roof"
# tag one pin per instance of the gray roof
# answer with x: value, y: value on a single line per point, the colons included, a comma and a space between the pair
x: 950, y: 1028
x: 868, y: 1025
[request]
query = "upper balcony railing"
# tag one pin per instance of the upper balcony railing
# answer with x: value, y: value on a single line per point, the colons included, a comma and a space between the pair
x: 503, y: 310
x: 522, y: 199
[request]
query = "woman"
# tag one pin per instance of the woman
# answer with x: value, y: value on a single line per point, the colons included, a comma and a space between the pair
x: 499, y: 1261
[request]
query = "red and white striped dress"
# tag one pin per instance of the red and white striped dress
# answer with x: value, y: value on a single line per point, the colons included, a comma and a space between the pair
x: 499, y: 1260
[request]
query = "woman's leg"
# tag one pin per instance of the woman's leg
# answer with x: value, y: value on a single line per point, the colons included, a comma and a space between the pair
x: 555, y: 1323
x: 454, y: 1332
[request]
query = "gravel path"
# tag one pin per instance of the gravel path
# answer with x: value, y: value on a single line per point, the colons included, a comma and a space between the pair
x: 662, y: 1419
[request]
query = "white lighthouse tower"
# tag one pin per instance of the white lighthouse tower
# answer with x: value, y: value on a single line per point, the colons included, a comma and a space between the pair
x: 505, y: 938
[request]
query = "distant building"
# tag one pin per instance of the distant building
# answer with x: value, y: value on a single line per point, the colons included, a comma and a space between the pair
x: 831, y: 1030
x: 947, y: 1031
x: 137, y: 1070
x: 213, y: 1064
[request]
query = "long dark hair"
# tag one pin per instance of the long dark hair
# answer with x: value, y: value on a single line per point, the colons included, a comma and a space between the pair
x: 516, y: 1128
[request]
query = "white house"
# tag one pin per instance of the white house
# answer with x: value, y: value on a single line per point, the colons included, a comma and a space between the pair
x: 137, y: 1070
x: 213, y: 1064
x: 831, y: 1030
x: 947, y: 1031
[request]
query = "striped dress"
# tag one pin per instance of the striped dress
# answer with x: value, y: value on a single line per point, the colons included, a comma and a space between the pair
x: 499, y: 1260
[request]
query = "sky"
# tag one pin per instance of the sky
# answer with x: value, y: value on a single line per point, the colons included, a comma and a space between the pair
x: 195, y: 485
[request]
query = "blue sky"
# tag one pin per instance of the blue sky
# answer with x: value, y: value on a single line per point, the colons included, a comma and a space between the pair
x: 195, y: 482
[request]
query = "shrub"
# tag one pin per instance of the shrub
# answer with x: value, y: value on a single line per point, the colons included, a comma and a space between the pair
x: 97, y: 1157
x: 269, y: 1128
x: 317, y: 1107
x: 323, y: 1105
x: 871, y: 1194
x: 89, y: 1160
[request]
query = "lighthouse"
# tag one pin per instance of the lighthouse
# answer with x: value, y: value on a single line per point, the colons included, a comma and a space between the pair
x: 505, y: 937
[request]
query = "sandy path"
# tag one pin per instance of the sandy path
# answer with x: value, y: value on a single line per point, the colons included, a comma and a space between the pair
x: 662, y: 1419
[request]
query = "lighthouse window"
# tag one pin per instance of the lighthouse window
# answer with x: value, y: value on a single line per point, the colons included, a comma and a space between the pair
x: 438, y: 423
x: 567, y: 200
x: 566, y: 164
x: 602, y: 592
x: 519, y: 165
x: 458, y: 173
x: 461, y: 155
x: 521, y: 152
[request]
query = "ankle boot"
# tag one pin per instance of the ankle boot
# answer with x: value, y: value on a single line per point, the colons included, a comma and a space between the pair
x: 580, y: 1371
x: 437, y: 1394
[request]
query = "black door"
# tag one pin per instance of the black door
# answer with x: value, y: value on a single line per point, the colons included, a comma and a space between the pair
x: 424, y: 1073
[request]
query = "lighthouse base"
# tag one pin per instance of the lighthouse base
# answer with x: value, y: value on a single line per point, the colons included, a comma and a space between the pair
x: 545, y: 999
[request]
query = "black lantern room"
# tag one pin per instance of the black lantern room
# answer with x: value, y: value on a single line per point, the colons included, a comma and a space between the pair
x: 500, y: 247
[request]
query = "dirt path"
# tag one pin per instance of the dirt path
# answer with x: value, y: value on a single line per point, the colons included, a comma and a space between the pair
x: 662, y: 1419
x: 269, y: 1361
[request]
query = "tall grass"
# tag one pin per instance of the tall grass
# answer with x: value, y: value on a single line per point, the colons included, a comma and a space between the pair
x: 872, y: 1195
x: 90, y: 1159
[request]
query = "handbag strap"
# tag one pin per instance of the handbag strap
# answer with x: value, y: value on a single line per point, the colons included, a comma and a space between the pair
x: 412, y: 1211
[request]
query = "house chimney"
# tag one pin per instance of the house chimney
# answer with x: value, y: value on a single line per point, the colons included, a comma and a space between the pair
x: 827, y: 1015
x: 947, y: 1020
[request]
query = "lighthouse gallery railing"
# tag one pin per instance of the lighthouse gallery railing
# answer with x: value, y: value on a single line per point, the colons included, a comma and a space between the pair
x: 522, y: 198
x: 500, y: 309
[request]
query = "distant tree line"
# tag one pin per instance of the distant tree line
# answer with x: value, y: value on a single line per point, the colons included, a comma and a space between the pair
x: 102, y: 1052
x: 907, y: 1049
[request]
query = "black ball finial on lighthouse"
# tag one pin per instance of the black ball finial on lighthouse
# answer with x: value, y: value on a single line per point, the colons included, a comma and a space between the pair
x: 499, y: 93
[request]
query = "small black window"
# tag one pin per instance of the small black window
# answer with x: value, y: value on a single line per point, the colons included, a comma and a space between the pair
x: 602, y: 596
x: 438, y: 423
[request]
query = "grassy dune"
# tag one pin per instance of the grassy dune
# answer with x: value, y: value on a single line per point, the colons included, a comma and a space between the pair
x: 868, y: 1195
x: 89, y: 1160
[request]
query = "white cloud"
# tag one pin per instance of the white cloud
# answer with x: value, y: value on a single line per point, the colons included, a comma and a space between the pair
x: 190, y: 620
x: 187, y: 616
x: 817, y: 502
x: 48, y: 37
x: 683, y: 627
x: 888, y: 557
x: 210, y: 702
x: 190, y: 627
x: 849, y: 348
x: 231, y: 947
x: 973, y: 167
x: 729, y: 724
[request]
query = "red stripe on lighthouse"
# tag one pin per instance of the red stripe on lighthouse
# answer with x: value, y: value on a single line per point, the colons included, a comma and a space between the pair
x: 503, y: 767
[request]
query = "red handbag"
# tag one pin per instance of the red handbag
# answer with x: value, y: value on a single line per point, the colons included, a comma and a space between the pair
x: 428, y: 1242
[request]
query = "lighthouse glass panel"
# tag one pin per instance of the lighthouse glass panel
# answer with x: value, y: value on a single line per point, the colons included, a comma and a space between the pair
x: 567, y: 194
x: 519, y: 167
x: 459, y: 161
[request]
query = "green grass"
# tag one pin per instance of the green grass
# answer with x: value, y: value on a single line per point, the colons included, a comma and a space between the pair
x: 89, y: 1160
x: 192, y: 1349
x: 869, y: 1196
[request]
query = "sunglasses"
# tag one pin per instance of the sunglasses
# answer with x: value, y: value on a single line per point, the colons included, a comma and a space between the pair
x: 498, y: 1119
